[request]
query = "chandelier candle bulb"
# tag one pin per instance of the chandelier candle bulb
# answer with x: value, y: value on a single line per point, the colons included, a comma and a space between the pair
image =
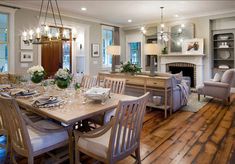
x: 38, y: 33
x: 24, y: 35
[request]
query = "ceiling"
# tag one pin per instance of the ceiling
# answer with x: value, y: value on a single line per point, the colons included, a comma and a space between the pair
x: 140, y: 12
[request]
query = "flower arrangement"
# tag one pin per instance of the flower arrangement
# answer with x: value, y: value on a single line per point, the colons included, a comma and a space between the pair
x: 128, y: 67
x: 36, y: 73
x: 63, y: 78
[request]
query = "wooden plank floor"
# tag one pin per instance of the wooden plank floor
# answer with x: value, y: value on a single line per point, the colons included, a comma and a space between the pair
x: 207, y: 136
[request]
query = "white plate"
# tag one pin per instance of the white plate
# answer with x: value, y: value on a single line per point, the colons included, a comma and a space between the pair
x: 224, y: 54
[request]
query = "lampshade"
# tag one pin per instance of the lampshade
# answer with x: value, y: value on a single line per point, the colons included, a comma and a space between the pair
x: 152, y: 49
x: 114, y: 50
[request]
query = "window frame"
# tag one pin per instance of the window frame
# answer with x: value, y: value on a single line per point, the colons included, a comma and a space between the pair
x: 7, y: 41
x: 109, y: 28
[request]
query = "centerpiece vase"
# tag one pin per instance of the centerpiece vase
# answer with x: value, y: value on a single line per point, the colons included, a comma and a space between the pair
x: 62, y: 84
x: 36, y: 79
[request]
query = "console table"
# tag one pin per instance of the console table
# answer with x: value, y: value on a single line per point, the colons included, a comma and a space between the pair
x: 137, y: 83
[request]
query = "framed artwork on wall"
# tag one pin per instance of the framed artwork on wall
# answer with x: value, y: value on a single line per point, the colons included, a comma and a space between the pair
x: 25, y: 46
x: 95, y: 50
x: 193, y: 46
x: 26, y: 56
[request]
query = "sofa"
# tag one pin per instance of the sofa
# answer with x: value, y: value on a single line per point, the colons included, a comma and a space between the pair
x: 176, y: 90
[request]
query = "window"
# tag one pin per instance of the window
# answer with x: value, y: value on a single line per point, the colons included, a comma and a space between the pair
x: 135, y: 53
x: 107, y: 39
x: 3, y: 42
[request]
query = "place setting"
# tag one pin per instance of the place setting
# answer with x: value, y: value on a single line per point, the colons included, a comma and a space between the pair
x: 48, y: 102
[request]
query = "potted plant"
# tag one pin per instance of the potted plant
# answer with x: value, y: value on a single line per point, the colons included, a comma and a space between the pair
x: 63, y: 78
x: 37, y: 73
x: 128, y: 67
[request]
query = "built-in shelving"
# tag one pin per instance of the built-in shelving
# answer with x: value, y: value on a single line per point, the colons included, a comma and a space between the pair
x: 223, y: 50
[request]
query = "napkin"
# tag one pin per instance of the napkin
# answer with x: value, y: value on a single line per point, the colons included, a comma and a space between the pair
x: 5, y: 86
x: 22, y: 92
x: 42, y: 101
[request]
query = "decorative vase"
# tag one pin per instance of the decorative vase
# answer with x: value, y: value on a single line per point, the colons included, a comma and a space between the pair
x: 62, y: 84
x: 37, y: 79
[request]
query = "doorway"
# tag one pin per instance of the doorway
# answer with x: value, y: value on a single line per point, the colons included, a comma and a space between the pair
x: 57, y: 54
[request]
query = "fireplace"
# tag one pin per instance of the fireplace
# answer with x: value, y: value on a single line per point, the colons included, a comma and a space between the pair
x: 193, y: 60
x: 187, y: 69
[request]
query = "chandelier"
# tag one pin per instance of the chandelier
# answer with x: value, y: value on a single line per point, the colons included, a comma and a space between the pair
x: 164, y: 35
x: 43, y: 34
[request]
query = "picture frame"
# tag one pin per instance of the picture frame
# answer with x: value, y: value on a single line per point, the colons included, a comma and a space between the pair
x: 193, y: 46
x: 26, y: 57
x: 25, y: 46
x: 95, y: 50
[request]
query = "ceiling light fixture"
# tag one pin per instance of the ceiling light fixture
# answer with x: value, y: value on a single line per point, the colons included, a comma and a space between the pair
x: 44, y: 34
x: 129, y: 20
x: 163, y: 35
x: 84, y: 9
x: 176, y: 15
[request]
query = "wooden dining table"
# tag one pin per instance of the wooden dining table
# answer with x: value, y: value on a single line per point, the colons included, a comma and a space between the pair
x: 72, y: 112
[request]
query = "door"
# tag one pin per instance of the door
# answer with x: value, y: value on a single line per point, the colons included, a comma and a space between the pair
x: 52, y: 57
x: 57, y: 54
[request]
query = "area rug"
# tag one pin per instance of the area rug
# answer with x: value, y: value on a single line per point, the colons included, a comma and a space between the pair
x: 194, y: 105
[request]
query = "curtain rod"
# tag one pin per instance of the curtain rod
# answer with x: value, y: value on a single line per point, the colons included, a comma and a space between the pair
x: 13, y: 7
x: 109, y: 25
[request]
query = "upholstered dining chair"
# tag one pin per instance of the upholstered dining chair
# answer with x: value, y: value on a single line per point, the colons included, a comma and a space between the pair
x: 117, y: 139
x: 88, y: 81
x: 30, y: 139
x: 221, y: 89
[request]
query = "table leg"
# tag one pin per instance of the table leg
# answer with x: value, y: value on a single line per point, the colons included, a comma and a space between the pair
x: 165, y: 105
x: 71, y: 144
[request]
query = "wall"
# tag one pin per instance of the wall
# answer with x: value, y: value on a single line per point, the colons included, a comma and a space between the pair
x: 26, y: 19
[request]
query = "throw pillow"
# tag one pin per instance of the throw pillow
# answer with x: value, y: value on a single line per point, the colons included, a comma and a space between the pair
x: 217, y: 78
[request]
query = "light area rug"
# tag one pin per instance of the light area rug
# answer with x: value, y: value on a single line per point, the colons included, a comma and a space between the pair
x: 194, y: 105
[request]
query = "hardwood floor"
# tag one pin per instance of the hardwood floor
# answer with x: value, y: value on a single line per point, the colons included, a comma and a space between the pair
x: 207, y: 136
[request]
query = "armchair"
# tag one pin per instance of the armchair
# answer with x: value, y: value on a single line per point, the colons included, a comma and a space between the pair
x: 220, y: 90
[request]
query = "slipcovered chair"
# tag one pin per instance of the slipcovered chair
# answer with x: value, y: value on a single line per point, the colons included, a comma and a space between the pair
x: 30, y: 139
x: 218, y: 89
x: 119, y: 138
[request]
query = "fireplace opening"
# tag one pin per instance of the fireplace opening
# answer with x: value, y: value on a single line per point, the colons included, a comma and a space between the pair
x: 187, y: 70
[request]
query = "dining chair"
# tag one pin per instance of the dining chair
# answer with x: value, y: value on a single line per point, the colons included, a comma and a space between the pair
x: 116, y: 86
x: 30, y: 139
x: 117, y: 139
x: 88, y: 81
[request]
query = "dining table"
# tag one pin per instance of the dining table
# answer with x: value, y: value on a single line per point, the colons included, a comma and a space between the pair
x: 73, y: 110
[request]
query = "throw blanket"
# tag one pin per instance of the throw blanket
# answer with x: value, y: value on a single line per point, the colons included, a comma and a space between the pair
x: 184, y: 92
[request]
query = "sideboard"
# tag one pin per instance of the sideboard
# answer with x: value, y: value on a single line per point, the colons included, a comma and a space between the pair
x: 139, y: 84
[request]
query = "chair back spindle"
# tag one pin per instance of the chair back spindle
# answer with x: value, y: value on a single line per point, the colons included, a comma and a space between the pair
x: 125, y: 134
x: 88, y: 81
x: 17, y: 128
x: 116, y: 85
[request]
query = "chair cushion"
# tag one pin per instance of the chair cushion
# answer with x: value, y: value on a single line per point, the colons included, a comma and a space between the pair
x: 200, y: 89
x: 98, y: 146
x: 217, y: 77
x: 228, y: 76
x: 40, y: 140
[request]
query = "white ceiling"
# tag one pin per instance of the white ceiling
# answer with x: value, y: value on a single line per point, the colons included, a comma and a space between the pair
x: 140, y: 12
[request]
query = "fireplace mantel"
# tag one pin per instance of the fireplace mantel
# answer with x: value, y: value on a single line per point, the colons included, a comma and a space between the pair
x: 197, y: 59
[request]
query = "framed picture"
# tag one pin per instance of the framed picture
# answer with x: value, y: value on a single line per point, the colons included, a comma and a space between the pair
x: 193, y: 46
x: 26, y: 56
x: 25, y: 46
x: 95, y: 50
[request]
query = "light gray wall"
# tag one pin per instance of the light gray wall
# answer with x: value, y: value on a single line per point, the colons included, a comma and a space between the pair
x: 26, y: 19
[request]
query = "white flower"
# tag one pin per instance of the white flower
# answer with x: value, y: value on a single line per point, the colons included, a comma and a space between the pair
x: 62, y: 73
x: 34, y: 69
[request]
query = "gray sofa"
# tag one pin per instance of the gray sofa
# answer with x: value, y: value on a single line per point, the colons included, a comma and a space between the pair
x: 176, y: 90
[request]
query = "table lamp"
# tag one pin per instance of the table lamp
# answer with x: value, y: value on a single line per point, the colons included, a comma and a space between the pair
x: 113, y: 50
x: 153, y: 50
